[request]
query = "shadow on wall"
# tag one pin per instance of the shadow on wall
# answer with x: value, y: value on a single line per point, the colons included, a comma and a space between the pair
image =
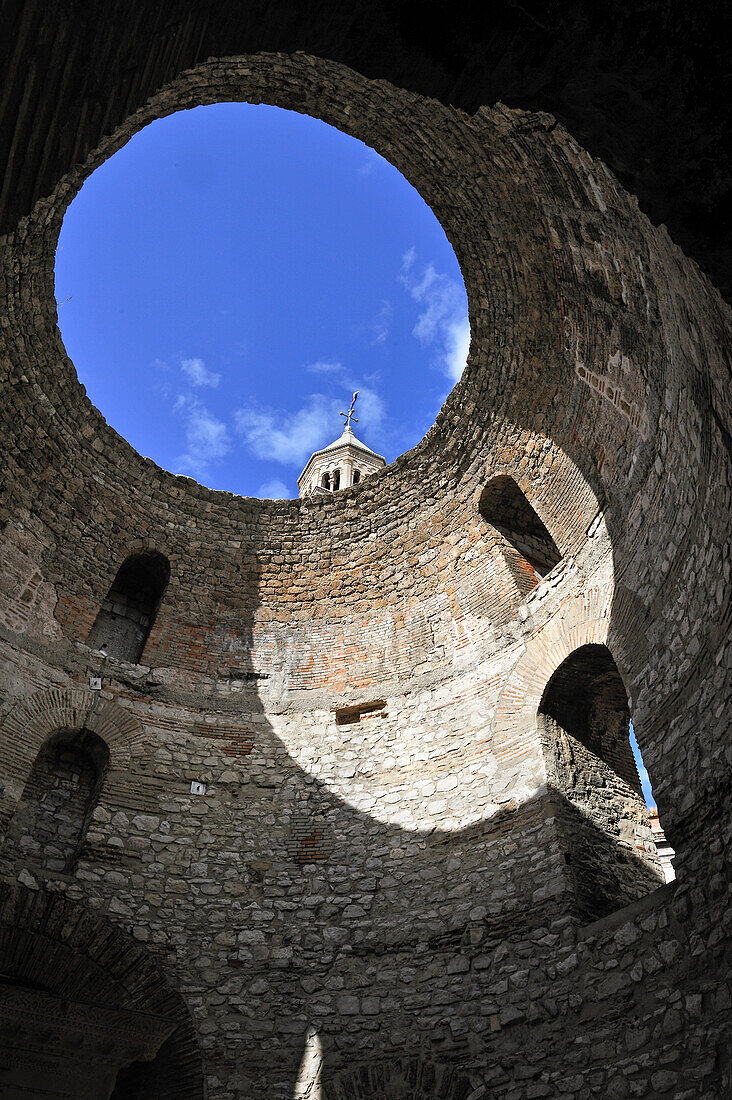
x: 49, y: 825
x: 399, y: 1079
x: 404, y: 930
x: 529, y: 549
x: 128, y: 611
x: 609, y: 846
x: 559, y: 854
x: 421, y: 896
x: 514, y: 869
x: 79, y: 997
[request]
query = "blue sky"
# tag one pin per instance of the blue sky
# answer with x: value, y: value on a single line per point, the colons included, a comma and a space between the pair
x: 230, y: 276
x: 642, y: 770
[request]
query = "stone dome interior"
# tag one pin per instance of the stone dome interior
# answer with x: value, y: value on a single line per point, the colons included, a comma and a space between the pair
x: 363, y: 778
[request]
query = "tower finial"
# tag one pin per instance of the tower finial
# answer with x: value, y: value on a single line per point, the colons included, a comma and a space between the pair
x: 349, y: 415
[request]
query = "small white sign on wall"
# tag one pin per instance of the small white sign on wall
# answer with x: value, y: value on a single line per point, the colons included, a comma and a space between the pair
x: 197, y: 788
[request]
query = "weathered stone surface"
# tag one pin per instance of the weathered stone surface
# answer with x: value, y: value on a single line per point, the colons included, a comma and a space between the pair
x: 384, y: 902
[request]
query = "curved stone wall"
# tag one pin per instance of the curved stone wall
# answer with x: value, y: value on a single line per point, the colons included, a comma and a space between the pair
x: 642, y: 88
x: 399, y: 883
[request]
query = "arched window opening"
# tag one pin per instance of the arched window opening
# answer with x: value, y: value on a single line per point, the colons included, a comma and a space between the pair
x: 336, y: 480
x: 127, y: 614
x: 609, y: 845
x: 356, y: 476
x: 51, y: 820
x: 531, y: 552
x: 326, y: 481
x: 586, y: 697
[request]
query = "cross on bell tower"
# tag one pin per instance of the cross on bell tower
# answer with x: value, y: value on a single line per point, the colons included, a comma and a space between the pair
x: 349, y: 416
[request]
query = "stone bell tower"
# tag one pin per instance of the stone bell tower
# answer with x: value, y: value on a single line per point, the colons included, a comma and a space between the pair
x: 342, y: 463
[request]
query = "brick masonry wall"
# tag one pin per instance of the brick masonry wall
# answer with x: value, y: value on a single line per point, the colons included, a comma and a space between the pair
x: 397, y: 886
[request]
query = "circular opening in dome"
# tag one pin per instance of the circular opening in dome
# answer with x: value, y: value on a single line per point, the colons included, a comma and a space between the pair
x: 230, y: 277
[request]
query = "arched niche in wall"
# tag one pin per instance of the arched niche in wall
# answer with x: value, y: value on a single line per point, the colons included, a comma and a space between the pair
x: 63, y: 963
x: 529, y: 549
x: 584, y: 719
x: 587, y: 699
x: 128, y: 611
x: 50, y: 822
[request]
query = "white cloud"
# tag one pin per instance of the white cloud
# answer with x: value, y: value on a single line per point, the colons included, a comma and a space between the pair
x: 273, y: 490
x: 199, y: 374
x: 368, y: 165
x: 382, y: 322
x: 322, y: 367
x: 443, y: 321
x: 206, y: 437
x: 458, y: 341
x: 370, y: 409
x: 289, y: 438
